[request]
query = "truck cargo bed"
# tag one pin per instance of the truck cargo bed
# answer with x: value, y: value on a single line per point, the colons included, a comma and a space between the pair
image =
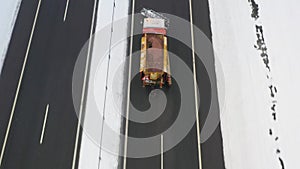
x: 155, y: 55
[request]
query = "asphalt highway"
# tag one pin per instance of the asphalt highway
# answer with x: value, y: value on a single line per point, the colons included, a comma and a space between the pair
x: 38, y: 123
x: 184, y: 155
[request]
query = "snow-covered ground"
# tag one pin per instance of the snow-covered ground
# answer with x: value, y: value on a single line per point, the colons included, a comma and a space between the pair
x: 99, y: 148
x: 259, y: 58
x: 8, y: 14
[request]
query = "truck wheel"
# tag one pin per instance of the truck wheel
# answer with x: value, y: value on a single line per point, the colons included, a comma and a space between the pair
x: 169, y: 81
x: 161, y: 83
x: 144, y: 84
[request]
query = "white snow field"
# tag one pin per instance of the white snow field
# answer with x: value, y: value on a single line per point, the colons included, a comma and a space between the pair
x: 8, y: 14
x: 260, y: 115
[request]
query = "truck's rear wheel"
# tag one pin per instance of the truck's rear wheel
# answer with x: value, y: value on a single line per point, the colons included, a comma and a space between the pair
x: 144, y: 83
x: 169, y: 80
x: 161, y: 83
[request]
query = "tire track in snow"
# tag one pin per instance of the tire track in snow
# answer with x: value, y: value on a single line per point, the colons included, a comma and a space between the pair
x: 262, y: 48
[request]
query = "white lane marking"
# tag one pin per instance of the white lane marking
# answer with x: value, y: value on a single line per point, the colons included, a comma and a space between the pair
x: 83, y: 87
x: 128, y: 87
x: 66, y: 10
x: 162, y: 151
x: 44, y: 124
x: 19, y: 83
x: 195, y: 86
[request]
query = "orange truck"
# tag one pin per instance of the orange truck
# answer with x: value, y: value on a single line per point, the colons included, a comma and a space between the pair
x: 154, y: 60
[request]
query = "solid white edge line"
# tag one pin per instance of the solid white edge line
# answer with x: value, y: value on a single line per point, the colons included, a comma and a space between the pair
x: 162, y: 151
x: 66, y: 10
x: 128, y: 86
x: 44, y: 124
x: 19, y: 83
x: 195, y: 86
x: 83, y: 87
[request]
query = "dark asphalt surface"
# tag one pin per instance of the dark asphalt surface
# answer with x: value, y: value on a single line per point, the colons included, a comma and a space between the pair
x: 47, y: 80
x: 185, y: 154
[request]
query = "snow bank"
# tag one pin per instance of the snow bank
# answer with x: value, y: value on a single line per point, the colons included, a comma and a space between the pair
x: 256, y: 44
x: 105, y: 90
x: 8, y: 15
